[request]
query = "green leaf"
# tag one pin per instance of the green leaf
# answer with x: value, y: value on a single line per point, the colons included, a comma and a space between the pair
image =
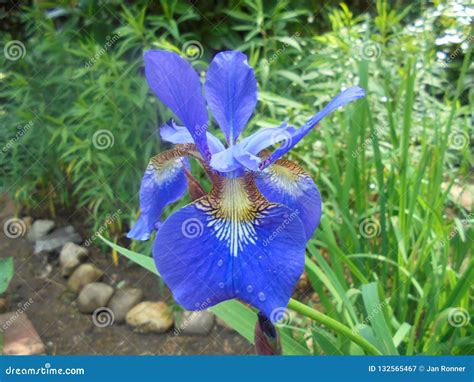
x: 6, y: 273
x: 375, y: 315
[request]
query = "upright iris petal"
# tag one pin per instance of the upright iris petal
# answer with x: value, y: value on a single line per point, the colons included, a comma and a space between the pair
x: 177, y: 85
x: 231, y: 92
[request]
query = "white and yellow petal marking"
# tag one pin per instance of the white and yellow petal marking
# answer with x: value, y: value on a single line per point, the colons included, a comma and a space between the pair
x: 285, y: 176
x: 286, y: 182
x: 234, y: 208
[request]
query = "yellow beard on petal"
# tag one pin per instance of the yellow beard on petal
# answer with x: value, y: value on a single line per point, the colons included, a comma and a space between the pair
x: 284, y: 175
x: 234, y: 208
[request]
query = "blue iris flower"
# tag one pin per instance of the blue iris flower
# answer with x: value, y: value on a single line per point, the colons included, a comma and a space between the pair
x: 246, y: 238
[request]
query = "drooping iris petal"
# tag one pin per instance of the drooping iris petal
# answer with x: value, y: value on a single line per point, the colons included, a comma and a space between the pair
x: 171, y: 132
x: 231, y: 92
x: 164, y: 182
x: 177, y: 85
x: 287, y: 183
x: 232, y: 244
x: 341, y: 99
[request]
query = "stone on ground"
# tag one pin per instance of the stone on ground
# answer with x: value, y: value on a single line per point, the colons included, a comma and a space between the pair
x: 150, y: 316
x: 123, y: 300
x: 56, y: 239
x: 94, y: 295
x: 71, y: 256
x: 83, y: 275
x: 39, y: 229
x: 196, y: 323
x: 19, y: 335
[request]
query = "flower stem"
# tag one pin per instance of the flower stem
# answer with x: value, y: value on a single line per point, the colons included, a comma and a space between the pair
x: 334, y: 325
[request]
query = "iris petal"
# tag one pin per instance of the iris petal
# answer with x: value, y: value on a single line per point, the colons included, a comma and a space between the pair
x: 164, y: 182
x: 231, y: 92
x: 341, y: 99
x: 287, y: 183
x: 171, y: 132
x: 177, y: 85
x: 232, y: 244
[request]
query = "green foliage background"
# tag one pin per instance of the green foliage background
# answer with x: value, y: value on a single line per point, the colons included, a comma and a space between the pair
x: 385, y: 167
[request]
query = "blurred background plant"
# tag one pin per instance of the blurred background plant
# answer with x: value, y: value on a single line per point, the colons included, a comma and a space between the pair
x: 392, y: 257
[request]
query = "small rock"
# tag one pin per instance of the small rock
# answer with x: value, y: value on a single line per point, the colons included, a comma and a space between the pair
x: 57, y: 239
x: 198, y: 323
x: 39, y: 229
x: 19, y: 335
x: 123, y: 300
x: 84, y: 274
x: 150, y: 316
x: 93, y: 296
x: 71, y: 256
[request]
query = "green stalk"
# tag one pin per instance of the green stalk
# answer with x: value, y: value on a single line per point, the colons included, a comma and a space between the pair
x: 334, y: 325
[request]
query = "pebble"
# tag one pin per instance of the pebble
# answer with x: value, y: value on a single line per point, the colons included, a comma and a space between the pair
x: 39, y: 229
x: 123, y: 300
x: 57, y: 239
x: 150, y: 316
x: 71, y: 256
x: 84, y: 274
x: 195, y: 323
x: 94, y: 295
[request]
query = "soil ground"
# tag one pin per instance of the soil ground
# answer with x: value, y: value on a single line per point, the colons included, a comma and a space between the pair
x: 64, y: 330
